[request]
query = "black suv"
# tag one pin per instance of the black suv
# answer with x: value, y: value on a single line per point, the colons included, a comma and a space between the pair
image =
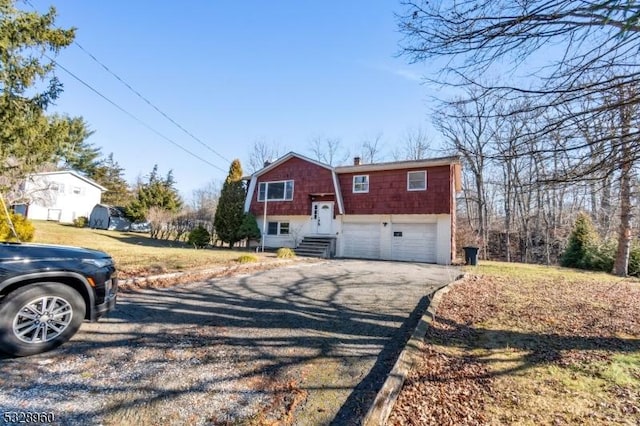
x: 46, y: 292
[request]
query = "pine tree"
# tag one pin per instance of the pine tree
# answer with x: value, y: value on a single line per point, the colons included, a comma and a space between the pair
x: 109, y: 174
x: 583, y: 238
x: 230, y: 212
x: 28, y: 137
x: 76, y: 153
x: 156, y: 192
x: 249, y: 228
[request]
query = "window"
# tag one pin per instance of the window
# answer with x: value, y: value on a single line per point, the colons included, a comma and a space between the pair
x: 57, y: 187
x: 361, y: 183
x: 284, y: 228
x: 77, y: 190
x: 278, y: 191
x: 278, y: 228
x: 272, y: 229
x: 417, y: 181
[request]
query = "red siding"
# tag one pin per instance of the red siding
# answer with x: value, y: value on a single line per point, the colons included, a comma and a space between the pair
x: 388, y: 193
x: 308, y: 179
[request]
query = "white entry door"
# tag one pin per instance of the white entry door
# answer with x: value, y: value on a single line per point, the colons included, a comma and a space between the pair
x: 323, y: 217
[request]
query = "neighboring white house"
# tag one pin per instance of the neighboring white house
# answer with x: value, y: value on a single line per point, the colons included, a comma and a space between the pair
x: 60, y: 196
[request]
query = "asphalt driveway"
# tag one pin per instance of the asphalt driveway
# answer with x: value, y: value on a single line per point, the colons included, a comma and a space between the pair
x: 304, y: 344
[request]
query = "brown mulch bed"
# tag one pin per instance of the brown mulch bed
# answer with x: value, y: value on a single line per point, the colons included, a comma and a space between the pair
x: 572, y: 324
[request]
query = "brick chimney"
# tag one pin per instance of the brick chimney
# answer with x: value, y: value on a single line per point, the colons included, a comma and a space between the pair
x: 356, y: 161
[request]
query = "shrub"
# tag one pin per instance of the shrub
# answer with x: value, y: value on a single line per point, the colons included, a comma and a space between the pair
x: 247, y: 258
x: 285, y: 253
x: 80, y: 222
x: 199, y: 237
x: 600, y: 257
x: 249, y: 228
x: 24, y: 228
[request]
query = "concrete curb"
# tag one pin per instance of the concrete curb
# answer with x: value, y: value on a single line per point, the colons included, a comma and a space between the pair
x: 381, y: 408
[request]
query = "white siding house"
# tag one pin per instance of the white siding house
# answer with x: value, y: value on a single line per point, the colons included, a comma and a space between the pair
x: 60, y: 196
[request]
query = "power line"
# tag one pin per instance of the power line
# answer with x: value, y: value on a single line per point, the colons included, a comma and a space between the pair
x: 151, y: 104
x: 133, y: 116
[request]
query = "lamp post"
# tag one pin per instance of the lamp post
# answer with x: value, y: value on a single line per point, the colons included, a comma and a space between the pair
x: 264, y: 214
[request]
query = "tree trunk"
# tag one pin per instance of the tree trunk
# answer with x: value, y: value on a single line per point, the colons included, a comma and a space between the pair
x: 621, y: 264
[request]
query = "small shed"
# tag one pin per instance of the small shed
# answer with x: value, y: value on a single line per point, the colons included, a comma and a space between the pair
x: 109, y: 217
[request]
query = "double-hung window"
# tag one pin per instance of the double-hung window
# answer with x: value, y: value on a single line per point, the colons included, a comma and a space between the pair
x: 276, y: 191
x: 417, y: 181
x: 361, y: 183
x: 278, y: 228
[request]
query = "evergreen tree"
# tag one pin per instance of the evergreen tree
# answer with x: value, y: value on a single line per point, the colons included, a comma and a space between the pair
x: 249, y: 228
x: 156, y: 192
x: 76, y: 153
x: 109, y: 174
x: 230, y: 211
x: 28, y: 137
x: 582, y: 241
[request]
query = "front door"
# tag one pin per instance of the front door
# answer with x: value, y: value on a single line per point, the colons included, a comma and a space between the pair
x: 323, y: 217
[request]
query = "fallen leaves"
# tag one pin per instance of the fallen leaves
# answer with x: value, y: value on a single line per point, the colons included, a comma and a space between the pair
x: 501, y: 345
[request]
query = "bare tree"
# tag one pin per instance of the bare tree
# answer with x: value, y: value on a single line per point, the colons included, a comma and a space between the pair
x: 329, y: 150
x: 469, y: 132
x: 261, y: 153
x: 372, y: 149
x: 205, y: 200
x: 596, y: 44
x: 415, y: 145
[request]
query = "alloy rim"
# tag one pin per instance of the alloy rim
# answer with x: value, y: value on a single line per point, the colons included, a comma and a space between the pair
x: 42, y: 320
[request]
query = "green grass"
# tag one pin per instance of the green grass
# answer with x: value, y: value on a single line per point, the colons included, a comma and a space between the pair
x: 135, y: 254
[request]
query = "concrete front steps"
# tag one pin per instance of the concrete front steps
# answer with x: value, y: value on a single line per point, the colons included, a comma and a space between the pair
x: 323, y: 247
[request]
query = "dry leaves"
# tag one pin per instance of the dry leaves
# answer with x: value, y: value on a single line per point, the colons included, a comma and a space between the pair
x: 574, y: 323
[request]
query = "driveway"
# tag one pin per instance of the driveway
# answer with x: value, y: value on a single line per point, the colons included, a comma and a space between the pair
x: 306, y: 344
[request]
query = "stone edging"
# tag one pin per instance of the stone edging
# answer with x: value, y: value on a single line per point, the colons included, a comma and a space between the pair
x: 381, y: 408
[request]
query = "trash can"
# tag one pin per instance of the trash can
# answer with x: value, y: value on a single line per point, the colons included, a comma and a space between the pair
x: 471, y: 255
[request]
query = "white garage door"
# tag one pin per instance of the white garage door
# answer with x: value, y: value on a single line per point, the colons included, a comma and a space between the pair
x: 414, y: 242
x: 361, y: 240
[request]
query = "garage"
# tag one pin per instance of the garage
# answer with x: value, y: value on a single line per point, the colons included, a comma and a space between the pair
x: 414, y: 242
x: 361, y: 240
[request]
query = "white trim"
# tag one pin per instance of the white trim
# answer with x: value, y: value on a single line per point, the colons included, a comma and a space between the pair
x: 71, y: 172
x: 397, y: 165
x: 279, y: 228
x: 287, y: 157
x: 249, y: 198
x: 424, y: 173
x: 353, y: 187
x: 267, y: 183
x: 336, y: 186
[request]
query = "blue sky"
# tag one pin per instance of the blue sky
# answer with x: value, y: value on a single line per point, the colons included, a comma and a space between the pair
x: 235, y: 72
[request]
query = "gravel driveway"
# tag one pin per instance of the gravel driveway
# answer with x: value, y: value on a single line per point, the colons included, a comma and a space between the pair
x: 304, y: 344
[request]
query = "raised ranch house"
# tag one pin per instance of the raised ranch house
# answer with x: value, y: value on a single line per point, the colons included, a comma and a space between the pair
x: 393, y: 211
x: 61, y: 196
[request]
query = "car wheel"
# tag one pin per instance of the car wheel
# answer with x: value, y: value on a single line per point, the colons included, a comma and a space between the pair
x: 39, y: 317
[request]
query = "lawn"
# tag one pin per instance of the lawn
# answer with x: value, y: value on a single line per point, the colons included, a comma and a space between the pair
x: 524, y: 344
x: 136, y: 254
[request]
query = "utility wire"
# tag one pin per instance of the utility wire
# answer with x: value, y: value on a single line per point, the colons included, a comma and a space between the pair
x: 165, y: 115
x: 171, y: 141
x: 128, y: 86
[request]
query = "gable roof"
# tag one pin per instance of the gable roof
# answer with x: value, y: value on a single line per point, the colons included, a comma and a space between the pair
x: 73, y: 173
x: 254, y: 178
x: 393, y: 165
x: 286, y: 158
